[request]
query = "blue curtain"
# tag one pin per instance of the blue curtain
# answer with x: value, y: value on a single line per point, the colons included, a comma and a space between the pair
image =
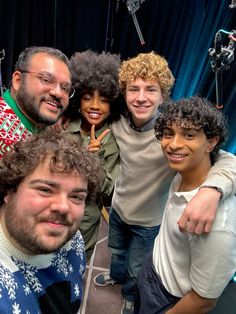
x: 180, y: 30
x: 191, y: 61
x: 183, y: 31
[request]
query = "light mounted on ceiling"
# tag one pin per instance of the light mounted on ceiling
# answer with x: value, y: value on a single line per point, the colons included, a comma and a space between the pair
x: 133, y: 6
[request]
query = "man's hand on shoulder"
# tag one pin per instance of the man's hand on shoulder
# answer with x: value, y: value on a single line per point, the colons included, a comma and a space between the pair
x: 200, y: 212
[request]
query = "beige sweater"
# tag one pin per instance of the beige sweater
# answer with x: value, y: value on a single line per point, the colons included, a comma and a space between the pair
x: 143, y: 182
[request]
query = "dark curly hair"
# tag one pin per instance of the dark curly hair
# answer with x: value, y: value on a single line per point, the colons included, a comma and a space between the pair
x: 91, y: 71
x: 194, y: 112
x: 66, y: 152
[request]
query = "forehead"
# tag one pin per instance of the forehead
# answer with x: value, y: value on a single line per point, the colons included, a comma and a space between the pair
x: 43, y: 172
x: 143, y: 83
x: 43, y: 62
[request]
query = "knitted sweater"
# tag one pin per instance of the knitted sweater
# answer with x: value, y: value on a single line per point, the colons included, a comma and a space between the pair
x: 13, y: 124
x: 50, y: 283
x: 143, y: 182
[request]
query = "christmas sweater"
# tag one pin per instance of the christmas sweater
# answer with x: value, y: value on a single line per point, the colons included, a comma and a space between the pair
x: 13, y: 124
x: 48, y: 283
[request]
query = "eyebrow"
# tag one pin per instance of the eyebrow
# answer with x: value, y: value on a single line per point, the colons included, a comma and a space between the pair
x: 46, y: 73
x: 54, y: 185
x: 147, y: 86
x: 51, y: 75
x: 192, y: 128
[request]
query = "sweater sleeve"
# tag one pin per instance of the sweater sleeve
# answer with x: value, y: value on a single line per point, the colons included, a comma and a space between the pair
x: 223, y: 174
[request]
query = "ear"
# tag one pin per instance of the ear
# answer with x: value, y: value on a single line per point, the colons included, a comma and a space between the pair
x: 16, y: 80
x: 212, y: 143
x: 7, y: 198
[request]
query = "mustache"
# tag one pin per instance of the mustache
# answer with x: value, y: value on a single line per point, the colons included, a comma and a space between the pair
x: 56, y: 218
x: 53, y: 99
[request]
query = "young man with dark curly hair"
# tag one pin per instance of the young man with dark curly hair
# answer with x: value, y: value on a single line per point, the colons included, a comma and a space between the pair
x: 44, y: 183
x: 142, y: 184
x: 187, y: 273
x: 92, y: 109
x: 39, y: 94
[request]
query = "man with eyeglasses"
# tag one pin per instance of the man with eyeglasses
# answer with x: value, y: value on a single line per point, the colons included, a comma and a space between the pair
x: 39, y: 94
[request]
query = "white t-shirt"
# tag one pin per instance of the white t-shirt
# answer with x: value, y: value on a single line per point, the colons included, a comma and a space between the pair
x: 204, y: 263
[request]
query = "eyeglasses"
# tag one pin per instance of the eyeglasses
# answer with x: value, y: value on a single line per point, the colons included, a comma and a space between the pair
x: 49, y: 81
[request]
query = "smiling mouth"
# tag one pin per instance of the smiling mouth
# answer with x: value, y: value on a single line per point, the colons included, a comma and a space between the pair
x: 56, y: 222
x: 177, y: 155
x: 52, y: 226
x: 94, y: 115
x: 53, y: 104
x: 140, y: 107
x: 173, y: 157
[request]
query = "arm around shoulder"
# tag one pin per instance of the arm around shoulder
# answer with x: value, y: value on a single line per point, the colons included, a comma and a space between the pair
x: 223, y: 174
x: 200, y: 212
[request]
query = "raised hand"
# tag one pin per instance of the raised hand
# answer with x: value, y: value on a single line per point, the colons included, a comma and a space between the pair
x: 95, y: 143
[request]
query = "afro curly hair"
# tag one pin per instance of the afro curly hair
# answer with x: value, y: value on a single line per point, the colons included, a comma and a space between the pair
x: 95, y: 71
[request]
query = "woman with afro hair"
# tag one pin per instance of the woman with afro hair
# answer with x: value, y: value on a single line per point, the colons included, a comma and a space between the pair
x: 93, y: 107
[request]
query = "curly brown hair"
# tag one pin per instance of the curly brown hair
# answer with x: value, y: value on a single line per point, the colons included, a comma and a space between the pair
x: 147, y: 66
x: 195, y: 112
x: 66, y: 152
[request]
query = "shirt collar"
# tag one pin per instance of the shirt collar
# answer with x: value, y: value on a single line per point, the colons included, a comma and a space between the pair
x: 187, y: 195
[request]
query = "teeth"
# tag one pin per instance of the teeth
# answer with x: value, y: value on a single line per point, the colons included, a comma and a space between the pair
x: 51, y: 103
x: 94, y: 115
x: 177, y: 155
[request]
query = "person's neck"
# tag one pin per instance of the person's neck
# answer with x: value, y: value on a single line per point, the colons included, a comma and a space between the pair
x: 86, y: 127
x: 137, y: 123
x: 192, y: 179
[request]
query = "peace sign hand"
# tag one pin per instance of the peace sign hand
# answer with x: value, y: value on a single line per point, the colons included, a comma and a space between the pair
x: 95, y: 143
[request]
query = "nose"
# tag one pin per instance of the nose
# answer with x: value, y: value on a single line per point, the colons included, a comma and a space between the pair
x: 60, y: 204
x: 95, y: 103
x: 141, y: 95
x: 176, y: 142
x: 56, y: 91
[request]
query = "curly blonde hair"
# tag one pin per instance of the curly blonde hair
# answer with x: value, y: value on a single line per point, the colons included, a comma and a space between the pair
x: 149, y: 67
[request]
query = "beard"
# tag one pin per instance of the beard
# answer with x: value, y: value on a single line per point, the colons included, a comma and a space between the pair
x: 30, y: 106
x: 24, y: 232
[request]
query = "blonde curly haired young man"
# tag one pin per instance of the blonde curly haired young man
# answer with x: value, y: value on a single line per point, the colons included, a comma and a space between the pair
x: 143, y: 182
